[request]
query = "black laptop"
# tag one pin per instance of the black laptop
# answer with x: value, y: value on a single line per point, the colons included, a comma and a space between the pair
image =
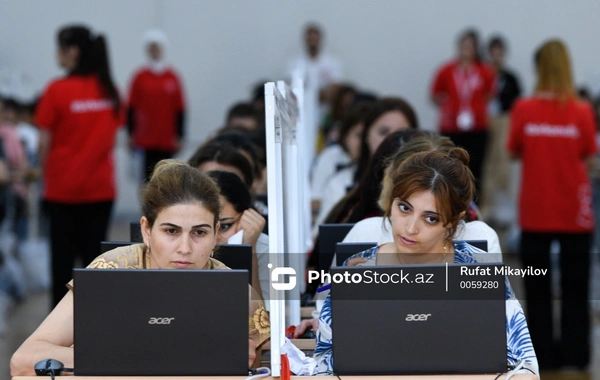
x: 135, y: 232
x: 344, y: 250
x: 160, y: 322
x: 329, y: 236
x: 235, y: 256
x: 427, y: 323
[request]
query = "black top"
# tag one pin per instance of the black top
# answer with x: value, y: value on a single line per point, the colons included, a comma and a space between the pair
x: 509, y: 89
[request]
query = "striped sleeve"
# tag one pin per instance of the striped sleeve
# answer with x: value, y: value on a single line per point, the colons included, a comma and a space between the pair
x: 324, y: 349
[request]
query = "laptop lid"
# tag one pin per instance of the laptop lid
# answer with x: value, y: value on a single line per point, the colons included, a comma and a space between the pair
x: 329, y: 236
x: 416, y: 326
x: 135, y: 232
x: 131, y: 322
x: 235, y: 256
x: 344, y: 250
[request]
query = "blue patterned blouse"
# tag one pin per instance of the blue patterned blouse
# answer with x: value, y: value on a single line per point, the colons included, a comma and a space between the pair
x: 519, y: 346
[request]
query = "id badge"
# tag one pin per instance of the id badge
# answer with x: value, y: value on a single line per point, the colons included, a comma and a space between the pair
x: 465, y: 120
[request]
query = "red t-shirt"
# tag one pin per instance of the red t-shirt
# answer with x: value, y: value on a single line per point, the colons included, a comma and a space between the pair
x: 462, y: 89
x: 79, y: 167
x: 156, y: 100
x: 553, y: 139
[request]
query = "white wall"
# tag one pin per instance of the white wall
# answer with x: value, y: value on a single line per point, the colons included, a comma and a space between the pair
x: 222, y: 47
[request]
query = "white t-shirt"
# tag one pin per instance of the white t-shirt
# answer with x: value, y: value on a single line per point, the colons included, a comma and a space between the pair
x: 322, y: 70
x: 380, y: 231
x: 30, y: 136
x: 326, y: 166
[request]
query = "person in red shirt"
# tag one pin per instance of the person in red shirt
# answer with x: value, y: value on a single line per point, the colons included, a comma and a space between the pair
x: 553, y: 134
x: 78, y: 117
x: 156, y: 113
x: 461, y: 90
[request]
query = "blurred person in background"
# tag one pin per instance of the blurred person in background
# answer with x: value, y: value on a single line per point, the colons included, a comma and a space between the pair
x: 78, y: 117
x: 342, y: 100
x: 497, y: 195
x: 341, y: 155
x: 243, y: 115
x: 157, y: 109
x: 18, y: 164
x: 461, y: 90
x: 387, y: 115
x: 321, y: 70
x: 553, y: 133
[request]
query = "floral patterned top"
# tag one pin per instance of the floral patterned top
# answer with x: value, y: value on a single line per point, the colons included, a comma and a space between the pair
x: 519, y: 346
x: 135, y: 257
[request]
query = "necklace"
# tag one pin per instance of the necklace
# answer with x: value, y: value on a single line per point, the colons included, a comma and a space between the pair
x: 443, y: 257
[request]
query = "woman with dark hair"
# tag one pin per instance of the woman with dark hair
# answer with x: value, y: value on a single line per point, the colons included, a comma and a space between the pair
x: 554, y: 134
x: 461, y: 90
x: 78, y: 117
x: 238, y: 216
x: 219, y: 155
x: 180, y: 223
x: 386, y: 116
x: 429, y: 196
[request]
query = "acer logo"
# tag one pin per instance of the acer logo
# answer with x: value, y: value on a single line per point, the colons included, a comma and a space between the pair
x: 417, y: 317
x: 160, y: 321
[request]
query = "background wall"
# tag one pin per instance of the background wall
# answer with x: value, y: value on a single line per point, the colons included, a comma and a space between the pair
x: 223, y: 47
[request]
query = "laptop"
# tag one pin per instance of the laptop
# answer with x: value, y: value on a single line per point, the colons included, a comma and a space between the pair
x: 135, y: 232
x: 235, y: 256
x: 329, y: 236
x: 416, y: 327
x: 130, y: 322
x: 344, y: 250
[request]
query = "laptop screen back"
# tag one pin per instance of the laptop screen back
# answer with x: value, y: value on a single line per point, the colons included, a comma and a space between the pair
x: 160, y: 322
x: 418, y: 328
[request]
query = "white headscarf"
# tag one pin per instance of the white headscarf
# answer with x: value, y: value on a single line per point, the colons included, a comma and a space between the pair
x: 158, y: 37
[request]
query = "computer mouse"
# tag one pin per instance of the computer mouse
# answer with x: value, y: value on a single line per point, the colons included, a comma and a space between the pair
x: 46, y: 366
x: 308, y: 334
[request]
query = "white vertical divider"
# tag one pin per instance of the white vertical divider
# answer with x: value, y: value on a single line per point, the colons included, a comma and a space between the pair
x: 292, y: 216
x: 274, y: 139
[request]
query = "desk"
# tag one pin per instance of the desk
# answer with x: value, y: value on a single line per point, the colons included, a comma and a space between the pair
x: 306, y: 312
x: 302, y: 344
x: 439, y: 377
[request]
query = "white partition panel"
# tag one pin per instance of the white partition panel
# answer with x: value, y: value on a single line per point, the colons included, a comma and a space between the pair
x: 276, y: 237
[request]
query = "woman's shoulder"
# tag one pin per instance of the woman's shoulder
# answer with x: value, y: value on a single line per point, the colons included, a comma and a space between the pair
x: 125, y: 257
x: 465, y: 252
x: 215, y: 264
x: 367, y: 254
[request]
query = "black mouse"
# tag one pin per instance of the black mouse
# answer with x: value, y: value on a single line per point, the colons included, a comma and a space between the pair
x: 308, y: 334
x: 46, y: 366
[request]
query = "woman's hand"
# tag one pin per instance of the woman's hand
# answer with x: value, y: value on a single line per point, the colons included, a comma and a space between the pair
x: 304, y: 324
x: 251, y: 353
x: 252, y: 223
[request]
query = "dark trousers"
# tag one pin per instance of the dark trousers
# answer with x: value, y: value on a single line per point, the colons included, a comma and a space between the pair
x: 76, y: 230
x: 573, y: 346
x: 151, y: 158
x: 476, y: 144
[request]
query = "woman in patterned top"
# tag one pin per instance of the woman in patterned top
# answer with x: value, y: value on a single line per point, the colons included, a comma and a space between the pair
x: 181, y: 211
x: 430, y: 192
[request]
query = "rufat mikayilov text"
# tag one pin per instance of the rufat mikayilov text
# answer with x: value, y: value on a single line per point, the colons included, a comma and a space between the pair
x: 504, y: 270
x: 371, y: 277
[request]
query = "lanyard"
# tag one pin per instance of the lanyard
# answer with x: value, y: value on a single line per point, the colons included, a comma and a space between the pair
x: 466, y: 81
